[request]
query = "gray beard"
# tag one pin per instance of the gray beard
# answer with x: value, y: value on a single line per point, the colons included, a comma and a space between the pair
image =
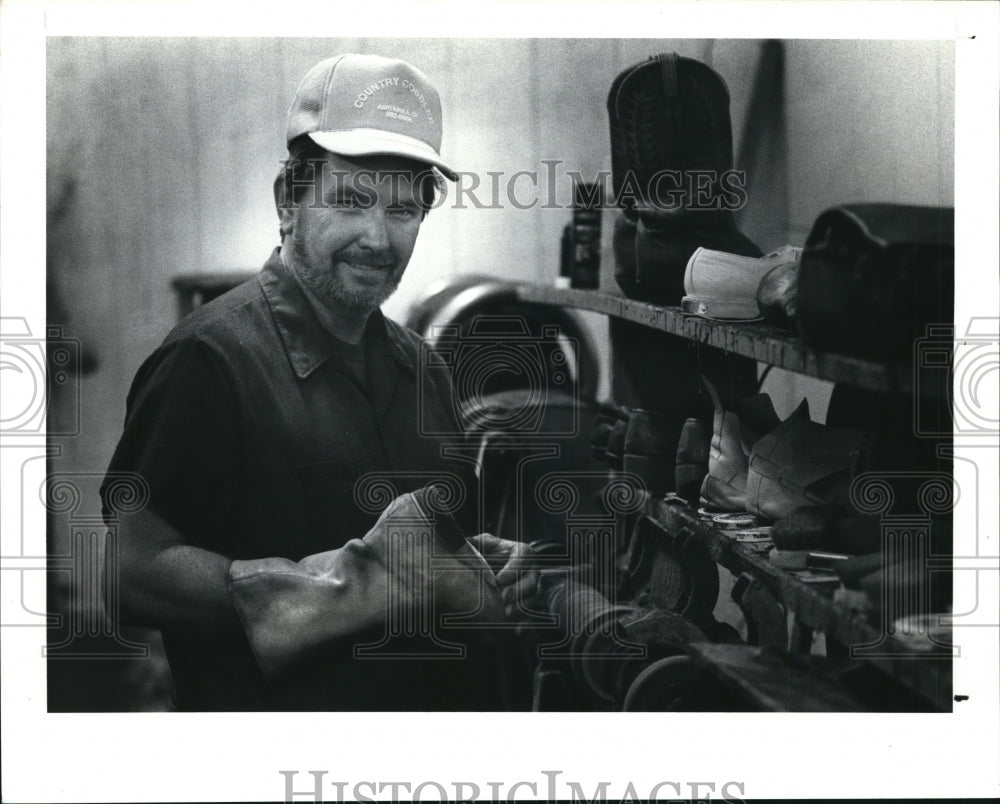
x: 331, y: 291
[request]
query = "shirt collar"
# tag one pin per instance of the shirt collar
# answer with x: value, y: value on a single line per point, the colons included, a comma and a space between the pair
x: 307, y: 345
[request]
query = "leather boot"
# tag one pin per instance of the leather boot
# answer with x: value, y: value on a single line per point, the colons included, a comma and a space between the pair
x: 671, y: 153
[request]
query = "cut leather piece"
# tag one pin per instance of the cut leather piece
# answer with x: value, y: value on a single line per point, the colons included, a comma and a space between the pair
x: 290, y: 609
x: 757, y: 418
x: 725, y: 485
x: 803, y: 463
x: 734, y: 433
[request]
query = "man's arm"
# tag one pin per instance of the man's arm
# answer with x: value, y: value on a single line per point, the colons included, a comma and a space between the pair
x: 181, y: 438
x: 163, y: 582
x: 289, y: 608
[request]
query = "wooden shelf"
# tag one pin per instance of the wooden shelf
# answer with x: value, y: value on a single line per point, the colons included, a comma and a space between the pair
x: 927, y: 674
x: 920, y: 674
x: 759, y: 341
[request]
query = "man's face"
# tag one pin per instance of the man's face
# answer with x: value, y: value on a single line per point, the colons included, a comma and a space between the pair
x: 353, y: 238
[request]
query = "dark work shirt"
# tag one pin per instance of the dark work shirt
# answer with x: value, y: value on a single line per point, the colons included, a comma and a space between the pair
x: 252, y: 433
x: 351, y: 359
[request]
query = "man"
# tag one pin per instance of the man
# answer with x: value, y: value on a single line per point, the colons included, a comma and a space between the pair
x: 270, y: 423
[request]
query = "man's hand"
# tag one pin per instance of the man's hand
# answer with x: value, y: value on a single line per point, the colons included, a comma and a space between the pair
x: 516, y: 573
x: 434, y: 561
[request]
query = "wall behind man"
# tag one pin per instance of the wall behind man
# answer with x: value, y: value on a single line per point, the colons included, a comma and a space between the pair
x: 162, y: 152
x: 865, y: 121
x: 869, y: 121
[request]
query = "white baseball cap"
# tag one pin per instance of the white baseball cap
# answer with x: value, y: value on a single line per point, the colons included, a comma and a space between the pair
x: 359, y: 105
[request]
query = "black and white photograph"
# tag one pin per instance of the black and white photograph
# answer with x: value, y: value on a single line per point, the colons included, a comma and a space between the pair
x: 434, y: 405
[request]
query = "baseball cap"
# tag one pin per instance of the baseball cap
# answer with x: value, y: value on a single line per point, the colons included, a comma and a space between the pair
x: 361, y: 105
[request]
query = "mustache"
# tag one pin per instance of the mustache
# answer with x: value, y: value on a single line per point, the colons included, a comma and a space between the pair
x: 365, y: 258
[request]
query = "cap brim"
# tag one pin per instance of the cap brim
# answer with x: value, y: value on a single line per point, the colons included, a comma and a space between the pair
x: 375, y: 142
